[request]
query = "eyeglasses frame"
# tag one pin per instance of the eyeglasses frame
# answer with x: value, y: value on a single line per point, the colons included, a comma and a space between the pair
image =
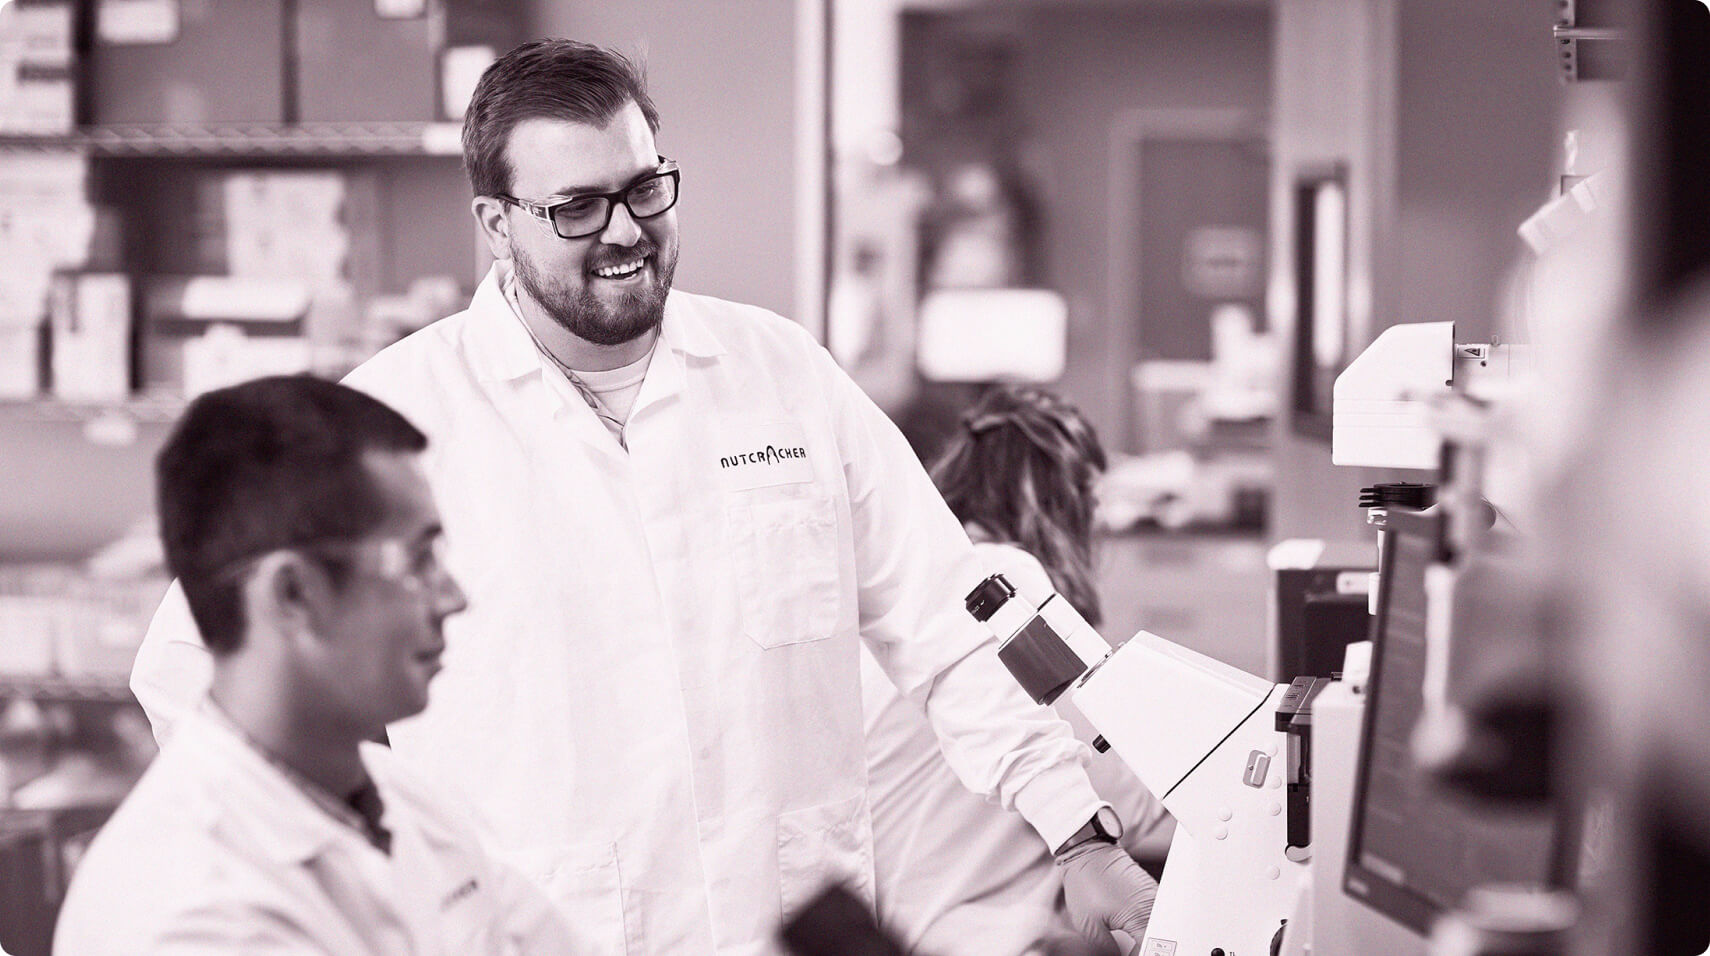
x: 544, y: 210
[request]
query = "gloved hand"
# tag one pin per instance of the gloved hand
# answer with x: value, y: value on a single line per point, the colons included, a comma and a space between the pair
x: 1106, y: 890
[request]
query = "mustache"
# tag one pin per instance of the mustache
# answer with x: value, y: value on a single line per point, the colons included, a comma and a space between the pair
x: 602, y: 256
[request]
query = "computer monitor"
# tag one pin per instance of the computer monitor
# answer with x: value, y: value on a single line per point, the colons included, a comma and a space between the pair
x: 1414, y: 849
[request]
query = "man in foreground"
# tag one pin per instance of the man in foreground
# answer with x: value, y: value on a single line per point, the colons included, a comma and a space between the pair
x: 297, y: 520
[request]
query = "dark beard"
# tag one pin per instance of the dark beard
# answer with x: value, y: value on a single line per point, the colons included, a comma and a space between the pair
x: 584, y: 316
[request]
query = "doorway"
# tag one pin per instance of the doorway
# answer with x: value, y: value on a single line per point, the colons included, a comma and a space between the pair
x: 1191, y: 192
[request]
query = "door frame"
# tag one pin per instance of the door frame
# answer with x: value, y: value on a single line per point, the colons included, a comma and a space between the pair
x: 1130, y: 131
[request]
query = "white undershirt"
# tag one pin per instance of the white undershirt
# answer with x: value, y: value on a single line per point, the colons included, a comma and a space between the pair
x: 618, y: 387
x: 615, y: 389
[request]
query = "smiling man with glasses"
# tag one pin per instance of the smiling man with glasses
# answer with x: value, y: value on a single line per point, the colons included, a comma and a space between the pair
x: 676, y: 516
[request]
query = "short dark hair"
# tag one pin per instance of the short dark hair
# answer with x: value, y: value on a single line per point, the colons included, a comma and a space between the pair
x: 545, y: 79
x: 1022, y: 468
x: 272, y: 463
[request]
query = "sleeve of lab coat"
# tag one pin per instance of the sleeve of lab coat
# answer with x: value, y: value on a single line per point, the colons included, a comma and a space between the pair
x: 173, y: 669
x: 207, y: 930
x: 914, y: 565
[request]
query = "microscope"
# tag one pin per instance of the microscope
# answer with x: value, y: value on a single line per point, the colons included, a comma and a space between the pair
x: 1225, y: 751
x: 1231, y: 755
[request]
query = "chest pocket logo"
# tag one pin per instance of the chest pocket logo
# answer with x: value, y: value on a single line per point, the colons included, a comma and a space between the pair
x: 785, y: 552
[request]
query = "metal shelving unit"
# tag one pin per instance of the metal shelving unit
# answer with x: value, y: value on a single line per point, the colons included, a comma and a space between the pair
x: 102, y: 690
x: 271, y: 140
x: 49, y: 409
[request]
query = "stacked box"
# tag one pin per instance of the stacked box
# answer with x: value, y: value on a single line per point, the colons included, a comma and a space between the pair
x: 90, y: 319
x: 45, y: 226
x: 396, y: 59
x: 174, y: 62
x: 285, y: 225
x: 203, y: 332
x: 36, y: 79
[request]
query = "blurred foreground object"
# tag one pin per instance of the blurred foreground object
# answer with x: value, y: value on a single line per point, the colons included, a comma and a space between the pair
x: 1630, y: 543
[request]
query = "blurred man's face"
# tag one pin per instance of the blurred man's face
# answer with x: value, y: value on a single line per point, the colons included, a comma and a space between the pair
x: 607, y: 288
x: 382, y: 633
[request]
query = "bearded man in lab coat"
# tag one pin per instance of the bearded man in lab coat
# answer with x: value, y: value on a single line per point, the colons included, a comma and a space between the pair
x: 296, y: 516
x: 675, y: 517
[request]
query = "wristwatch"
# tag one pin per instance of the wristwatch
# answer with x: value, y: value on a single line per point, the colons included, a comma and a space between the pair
x: 1104, y: 826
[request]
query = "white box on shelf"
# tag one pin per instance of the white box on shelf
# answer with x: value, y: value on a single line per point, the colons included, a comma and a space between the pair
x: 36, y: 34
x: 26, y: 635
x: 224, y: 355
x: 91, y: 326
x: 19, y: 360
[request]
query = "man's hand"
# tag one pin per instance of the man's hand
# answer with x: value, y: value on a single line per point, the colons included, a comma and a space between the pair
x: 1106, y: 890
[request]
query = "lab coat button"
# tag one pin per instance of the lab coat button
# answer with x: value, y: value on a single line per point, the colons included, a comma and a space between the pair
x: 1272, y: 872
x: 1276, y: 809
x: 1222, y: 833
x: 1224, y: 813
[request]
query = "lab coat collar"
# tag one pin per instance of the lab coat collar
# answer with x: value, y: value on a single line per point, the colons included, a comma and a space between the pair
x: 260, y: 804
x: 501, y: 350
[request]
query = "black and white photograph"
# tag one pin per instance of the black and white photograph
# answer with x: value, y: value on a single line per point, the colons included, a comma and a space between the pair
x: 855, y: 477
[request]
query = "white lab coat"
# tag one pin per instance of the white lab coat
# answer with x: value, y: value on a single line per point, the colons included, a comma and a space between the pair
x: 654, y: 697
x: 216, y: 851
x: 956, y: 875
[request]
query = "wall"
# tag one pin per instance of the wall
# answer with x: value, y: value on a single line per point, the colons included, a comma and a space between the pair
x: 724, y: 77
x: 1080, y: 69
x: 1443, y: 111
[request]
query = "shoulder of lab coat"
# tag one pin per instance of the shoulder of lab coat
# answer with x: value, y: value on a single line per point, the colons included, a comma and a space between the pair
x: 200, y: 856
x: 173, y: 668
x: 525, y: 916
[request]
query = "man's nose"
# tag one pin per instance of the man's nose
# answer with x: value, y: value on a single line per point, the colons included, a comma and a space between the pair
x: 622, y: 229
x: 451, y: 599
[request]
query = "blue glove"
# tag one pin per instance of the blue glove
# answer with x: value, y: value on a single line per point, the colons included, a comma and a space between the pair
x: 1106, y: 890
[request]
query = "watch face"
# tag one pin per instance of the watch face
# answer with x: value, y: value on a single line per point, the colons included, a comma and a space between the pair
x: 1107, y: 823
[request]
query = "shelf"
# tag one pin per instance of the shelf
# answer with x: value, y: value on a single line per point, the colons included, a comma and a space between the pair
x: 250, y: 139
x: 114, y: 689
x: 47, y: 409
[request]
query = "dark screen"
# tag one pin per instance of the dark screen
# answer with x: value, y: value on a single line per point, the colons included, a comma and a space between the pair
x: 1415, y: 849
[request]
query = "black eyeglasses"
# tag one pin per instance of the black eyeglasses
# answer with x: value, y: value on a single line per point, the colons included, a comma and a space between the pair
x: 577, y: 216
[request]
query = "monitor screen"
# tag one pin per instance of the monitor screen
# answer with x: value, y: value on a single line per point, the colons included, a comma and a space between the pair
x: 1414, y: 849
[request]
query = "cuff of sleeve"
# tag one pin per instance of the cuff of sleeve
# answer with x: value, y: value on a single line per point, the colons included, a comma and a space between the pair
x: 1057, y: 802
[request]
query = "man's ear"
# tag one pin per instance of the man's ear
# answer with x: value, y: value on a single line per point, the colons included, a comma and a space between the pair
x: 284, y: 593
x: 495, y: 225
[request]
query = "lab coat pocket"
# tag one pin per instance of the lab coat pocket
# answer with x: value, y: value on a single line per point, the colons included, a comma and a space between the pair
x: 822, y: 845
x: 582, y: 883
x: 785, y: 552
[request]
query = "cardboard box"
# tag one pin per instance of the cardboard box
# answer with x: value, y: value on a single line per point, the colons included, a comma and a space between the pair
x: 380, y: 62
x: 267, y: 317
x: 221, y: 61
x: 355, y: 65
x: 90, y: 320
x: 20, y: 360
x: 37, y: 33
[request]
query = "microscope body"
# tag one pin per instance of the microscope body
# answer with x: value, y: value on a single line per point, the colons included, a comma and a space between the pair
x: 1203, y: 737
